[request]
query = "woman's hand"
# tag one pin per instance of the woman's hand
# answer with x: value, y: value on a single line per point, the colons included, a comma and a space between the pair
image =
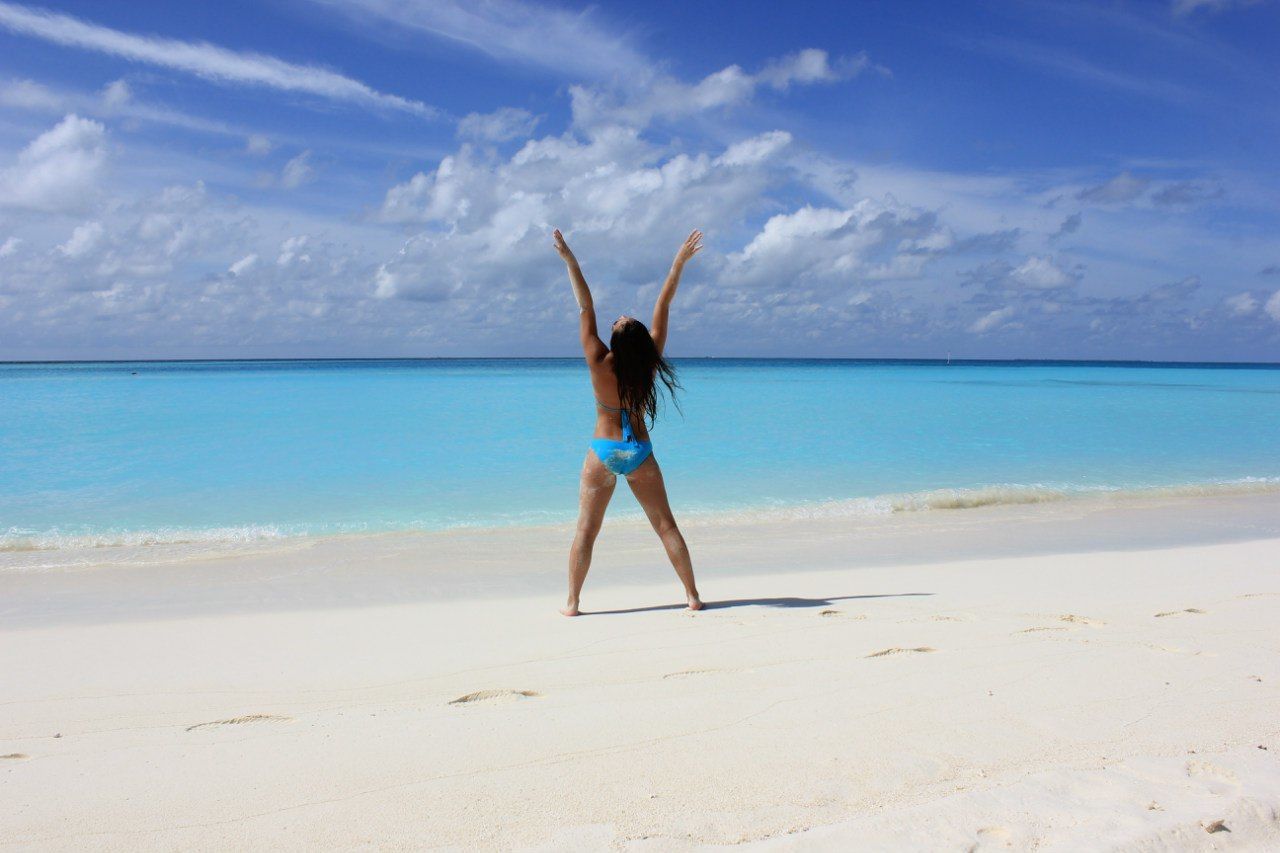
x: 562, y: 248
x: 691, y: 246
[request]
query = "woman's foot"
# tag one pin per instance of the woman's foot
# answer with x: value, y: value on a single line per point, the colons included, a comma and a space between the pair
x: 570, y: 608
x: 695, y: 603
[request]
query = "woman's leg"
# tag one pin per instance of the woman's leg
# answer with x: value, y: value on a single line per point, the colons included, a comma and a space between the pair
x: 646, y: 484
x: 594, y: 493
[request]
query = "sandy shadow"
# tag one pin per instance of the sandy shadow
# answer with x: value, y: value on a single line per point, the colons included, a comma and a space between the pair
x: 782, y: 601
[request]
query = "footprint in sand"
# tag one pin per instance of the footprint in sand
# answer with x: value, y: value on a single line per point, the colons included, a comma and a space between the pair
x: 494, y: 696
x: 992, y: 837
x: 690, y: 673
x: 1217, y: 779
x: 898, y: 650
x: 1179, y: 612
x: 15, y: 756
x: 841, y: 614
x: 1173, y: 650
x: 239, y: 721
x: 1042, y: 628
x: 1080, y: 620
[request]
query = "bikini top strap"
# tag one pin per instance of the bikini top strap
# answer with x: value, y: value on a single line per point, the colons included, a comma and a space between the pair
x: 624, y: 416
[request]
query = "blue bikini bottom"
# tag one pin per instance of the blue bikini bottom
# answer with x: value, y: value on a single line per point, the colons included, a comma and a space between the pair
x: 621, y: 457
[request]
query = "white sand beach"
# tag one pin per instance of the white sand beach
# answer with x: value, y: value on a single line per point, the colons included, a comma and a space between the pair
x: 940, y: 683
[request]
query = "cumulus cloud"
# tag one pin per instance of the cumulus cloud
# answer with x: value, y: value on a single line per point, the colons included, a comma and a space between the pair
x: 498, y: 126
x: 293, y: 251
x: 1273, y: 306
x: 806, y: 252
x: 756, y: 149
x: 1041, y: 273
x: 657, y: 96
x: 1035, y: 273
x: 10, y: 247
x: 1241, y: 304
x: 136, y: 244
x: 83, y: 240
x: 59, y: 170
x: 614, y: 179
x: 814, y: 66
x: 788, y: 269
x: 486, y: 217
x: 202, y: 59
x: 874, y: 240
x: 148, y: 271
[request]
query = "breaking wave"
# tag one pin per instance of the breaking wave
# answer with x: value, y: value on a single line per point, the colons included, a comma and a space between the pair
x: 16, y: 540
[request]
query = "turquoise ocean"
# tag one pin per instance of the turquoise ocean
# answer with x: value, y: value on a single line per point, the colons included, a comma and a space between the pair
x: 150, y: 452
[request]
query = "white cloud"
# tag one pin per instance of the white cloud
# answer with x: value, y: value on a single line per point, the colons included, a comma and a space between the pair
x: 115, y: 101
x: 258, y: 145
x: 1122, y: 188
x: 487, y: 217
x: 59, y: 170
x: 297, y: 172
x: 30, y: 95
x: 1241, y: 304
x: 814, y: 66
x: 991, y: 320
x: 292, y: 251
x: 560, y: 40
x: 83, y: 240
x: 498, y: 126
x: 1041, y: 273
x: 202, y: 59
x: 132, y: 245
x: 873, y: 240
x: 1069, y: 64
x: 755, y: 150
x: 805, y: 252
x: 10, y: 247
x: 638, y: 101
x: 1273, y: 306
x: 116, y: 95
x: 1187, y: 7
x: 243, y: 265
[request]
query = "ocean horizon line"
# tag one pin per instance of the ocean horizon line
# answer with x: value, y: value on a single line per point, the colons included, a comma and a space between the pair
x: 944, y: 361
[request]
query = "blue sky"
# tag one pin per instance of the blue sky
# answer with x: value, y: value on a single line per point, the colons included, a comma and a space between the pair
x: 378, y: 177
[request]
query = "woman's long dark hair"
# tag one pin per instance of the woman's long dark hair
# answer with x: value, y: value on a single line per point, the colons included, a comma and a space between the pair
x: 638, y: 366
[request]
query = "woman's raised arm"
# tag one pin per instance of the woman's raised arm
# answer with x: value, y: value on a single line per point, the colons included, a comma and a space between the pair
x: 662, y: 308
x: 592, y: 347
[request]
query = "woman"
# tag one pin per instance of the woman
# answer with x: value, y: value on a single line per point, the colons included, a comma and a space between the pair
x: 624, y: 377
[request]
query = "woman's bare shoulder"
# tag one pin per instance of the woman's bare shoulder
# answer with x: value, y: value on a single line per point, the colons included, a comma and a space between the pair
x: 602, y: 379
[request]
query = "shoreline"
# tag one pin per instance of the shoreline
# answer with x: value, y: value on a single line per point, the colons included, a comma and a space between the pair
x: 1099, y: 699
x: 365, y: 570
x: 849, y: 509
